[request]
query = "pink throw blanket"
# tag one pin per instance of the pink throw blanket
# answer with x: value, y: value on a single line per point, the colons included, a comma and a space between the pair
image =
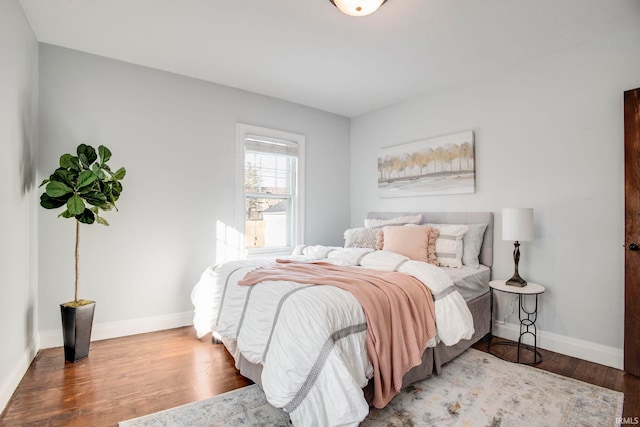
x: 399, y: 310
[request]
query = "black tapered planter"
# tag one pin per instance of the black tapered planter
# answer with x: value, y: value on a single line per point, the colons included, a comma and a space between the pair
x: 76, y: 330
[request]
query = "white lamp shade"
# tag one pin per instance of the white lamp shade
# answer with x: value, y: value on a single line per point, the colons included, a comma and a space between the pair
x: 517, y: 224
x: 358, y: 7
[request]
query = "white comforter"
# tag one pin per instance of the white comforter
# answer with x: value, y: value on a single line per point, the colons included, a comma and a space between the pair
x: 310, y: 340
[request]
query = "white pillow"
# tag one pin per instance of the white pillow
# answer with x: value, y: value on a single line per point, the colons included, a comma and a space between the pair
x: 400, y: 220
x: 472, y: 243
x: 449, y: 246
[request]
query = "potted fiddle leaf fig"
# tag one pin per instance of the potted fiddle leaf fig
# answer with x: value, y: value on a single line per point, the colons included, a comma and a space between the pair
x: 84, y: 185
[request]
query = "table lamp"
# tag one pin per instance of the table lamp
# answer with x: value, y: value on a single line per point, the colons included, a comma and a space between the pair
x: 517, y: 225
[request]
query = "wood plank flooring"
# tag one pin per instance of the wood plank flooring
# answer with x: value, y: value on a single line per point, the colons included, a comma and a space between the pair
x: 122, y: 378
x: 132, y: 376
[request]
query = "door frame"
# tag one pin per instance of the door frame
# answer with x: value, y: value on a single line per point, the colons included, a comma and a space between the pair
x: 632, y: 231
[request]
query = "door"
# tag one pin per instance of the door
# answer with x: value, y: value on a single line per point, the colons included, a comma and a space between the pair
x: 632, y: 231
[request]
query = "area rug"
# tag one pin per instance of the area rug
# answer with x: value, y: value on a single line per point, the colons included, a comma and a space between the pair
x: 475, y: 389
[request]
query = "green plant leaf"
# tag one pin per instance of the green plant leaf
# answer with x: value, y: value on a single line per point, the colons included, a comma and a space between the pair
x: 120, y: 173
x: 45, y: 181
x: 102, y: 220
x: 57, y: 189
x: 86, y: 178
x: 49, y: 202
x: 75, y: 205
x: 115, y: 190
x: 69, y: 177
x: 86, y: 217
x: 95, y: 198
x: 67, y: 161
x: 86, y: 155
x: 66, y: 214
x: 98, y: 171
x: 108, y: 175
x: 105, y: 154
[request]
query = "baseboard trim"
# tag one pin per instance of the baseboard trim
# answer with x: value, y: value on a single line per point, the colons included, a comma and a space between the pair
x: 10, y: 383
x: 586, y: 350
x: 122, y: 328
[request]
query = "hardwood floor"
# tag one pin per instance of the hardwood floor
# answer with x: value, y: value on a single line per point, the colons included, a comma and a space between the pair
x: 122, y: 378
x: 132, y: 376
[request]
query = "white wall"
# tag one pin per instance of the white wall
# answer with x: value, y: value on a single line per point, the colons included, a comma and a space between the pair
x: 176, y: 137
x: 549, y: 135
x: 18, y: 237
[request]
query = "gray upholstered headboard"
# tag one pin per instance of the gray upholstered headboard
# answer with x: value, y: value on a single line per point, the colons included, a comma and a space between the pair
x: 486, y: 253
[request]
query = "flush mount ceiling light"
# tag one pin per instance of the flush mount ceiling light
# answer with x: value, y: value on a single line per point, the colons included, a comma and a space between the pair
x: 358, y: 7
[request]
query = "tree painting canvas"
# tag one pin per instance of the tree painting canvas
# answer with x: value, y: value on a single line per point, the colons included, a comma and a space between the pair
x: 434, y: 166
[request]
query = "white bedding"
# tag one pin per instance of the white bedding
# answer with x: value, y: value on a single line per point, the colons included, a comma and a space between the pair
x: 310, y: 340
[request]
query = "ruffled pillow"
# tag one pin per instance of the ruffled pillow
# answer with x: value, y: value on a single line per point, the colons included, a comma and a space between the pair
x: 361, y: 237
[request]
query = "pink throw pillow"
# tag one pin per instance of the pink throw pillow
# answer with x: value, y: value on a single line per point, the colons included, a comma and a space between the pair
x: 417, y: 242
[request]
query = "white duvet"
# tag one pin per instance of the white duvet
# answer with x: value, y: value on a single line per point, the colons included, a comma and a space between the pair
x: 310, y: 340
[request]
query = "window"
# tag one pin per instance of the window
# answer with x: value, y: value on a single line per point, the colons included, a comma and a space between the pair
x: 271, y: 165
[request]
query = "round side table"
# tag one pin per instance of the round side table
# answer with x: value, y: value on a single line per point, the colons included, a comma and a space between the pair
x: 527, y: 318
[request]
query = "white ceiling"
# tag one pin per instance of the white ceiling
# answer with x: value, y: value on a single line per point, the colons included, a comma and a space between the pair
x: 306, y: 51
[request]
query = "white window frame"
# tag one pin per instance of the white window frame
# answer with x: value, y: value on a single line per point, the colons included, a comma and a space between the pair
x: 298, y: 211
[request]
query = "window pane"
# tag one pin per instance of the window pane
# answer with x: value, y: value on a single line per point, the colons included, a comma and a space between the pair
x: 268, y: 222
x: 268, y: 173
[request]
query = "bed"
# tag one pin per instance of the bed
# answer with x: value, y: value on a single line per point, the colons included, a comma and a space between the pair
x: 306, y: 345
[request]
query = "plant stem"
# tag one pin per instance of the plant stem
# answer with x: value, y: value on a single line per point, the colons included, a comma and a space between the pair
x: 77, y: 256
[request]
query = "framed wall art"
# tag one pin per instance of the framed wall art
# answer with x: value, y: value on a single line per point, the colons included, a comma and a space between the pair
x: 434, y: 166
